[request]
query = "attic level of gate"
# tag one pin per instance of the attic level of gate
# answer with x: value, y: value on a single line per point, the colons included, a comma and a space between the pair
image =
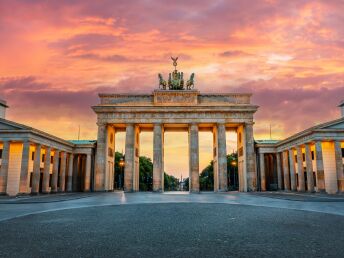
x: 176, y: 98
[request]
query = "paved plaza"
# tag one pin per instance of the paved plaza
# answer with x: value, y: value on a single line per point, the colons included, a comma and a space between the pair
x: 172, y: 224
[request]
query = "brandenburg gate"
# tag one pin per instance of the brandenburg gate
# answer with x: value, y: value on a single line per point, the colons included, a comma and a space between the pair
x: 175, y: 106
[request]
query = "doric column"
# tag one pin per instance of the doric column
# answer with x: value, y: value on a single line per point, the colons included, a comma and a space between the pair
x: 309, y: 168
x: 87, y: 181
x: 75, y: 181
x: 4, y: 166
x: 136, y: 172
x: 46, y: 171
x: 101, y: 158
x: 193, y: 159
x: 222, y: 157
x: 250, y: 158
x: 158, y: 158
x: 129, y: 158
x: 300, y: 171
x: 339, y: 165
x: 69, y: 186
x: 62, y: 178
x: 286, y: 171
x: 262, y: 172
x: 279, y: 171
x: 36, y: 169
x: 292, y: 170
x: 82, y: 171
x: 24, y: 168
x: 55, y: 173
x: 320, y: 167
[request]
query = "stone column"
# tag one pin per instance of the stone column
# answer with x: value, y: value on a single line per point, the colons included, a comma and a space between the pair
x: 215, y: 158
x: 320, y: 167
x: 262, y: 172
x: 292, y: 170
x: 300, y: 171
x: 4, y: 166
x: 101, y: 158
x: 222, y: 157
x: 129, y: 158
x: 55, y: 173
x: 69, y: 186
x: 136, y: 171
x: 279, y: 171
x: 75, y: 181
x: 24, y: 168
x: 88, y: 174
x: 62, y: 172
x: 46, y: 171
x: 193, y: 159
x: 339, y: 166
x: 309, y: 168
x: 82, y: 171
x: 250, y: 158
x: 158, y: 157
x: 36, y: 170
x: 286, y: 171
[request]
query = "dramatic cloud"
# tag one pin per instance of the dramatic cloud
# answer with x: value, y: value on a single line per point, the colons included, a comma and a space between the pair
x: 57, y: 55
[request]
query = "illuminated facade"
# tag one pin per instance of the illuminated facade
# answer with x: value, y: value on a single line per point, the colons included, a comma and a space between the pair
x: 311, y: 160
x: 33, y: 161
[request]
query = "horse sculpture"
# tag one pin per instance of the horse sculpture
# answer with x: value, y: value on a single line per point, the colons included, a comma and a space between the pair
x: 176, y: 79
x: 162, y: 82
x: 190, y: 83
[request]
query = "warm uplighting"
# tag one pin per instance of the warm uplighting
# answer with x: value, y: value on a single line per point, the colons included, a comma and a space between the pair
x: 234, y: 163
x: 121, y: 162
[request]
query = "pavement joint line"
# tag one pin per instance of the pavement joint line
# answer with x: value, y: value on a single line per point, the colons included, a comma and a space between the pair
x: 166, y: 202
x: 37, y: 201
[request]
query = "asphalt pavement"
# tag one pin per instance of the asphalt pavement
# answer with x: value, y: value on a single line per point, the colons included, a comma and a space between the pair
x: 172, y: 224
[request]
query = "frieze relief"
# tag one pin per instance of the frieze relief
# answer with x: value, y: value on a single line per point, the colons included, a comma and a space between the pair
x: 175, y: 98
x: 248, y: 116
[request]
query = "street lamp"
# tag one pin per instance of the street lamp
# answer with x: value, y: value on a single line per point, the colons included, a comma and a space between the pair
x: 234, y: 164
x: 121, y: 164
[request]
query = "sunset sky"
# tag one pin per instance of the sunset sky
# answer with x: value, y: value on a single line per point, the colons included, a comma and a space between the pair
x: 56, y: 56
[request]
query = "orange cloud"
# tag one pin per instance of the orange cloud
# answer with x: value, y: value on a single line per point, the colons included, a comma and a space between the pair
x: 56, y: 56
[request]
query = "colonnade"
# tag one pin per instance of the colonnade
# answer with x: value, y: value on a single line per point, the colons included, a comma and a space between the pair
x: 29, y: 167
x: 105, y: 146
x: 314, y: 166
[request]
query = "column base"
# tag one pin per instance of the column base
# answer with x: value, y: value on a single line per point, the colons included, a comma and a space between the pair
x: 45, y: 192
x: 34, y: 193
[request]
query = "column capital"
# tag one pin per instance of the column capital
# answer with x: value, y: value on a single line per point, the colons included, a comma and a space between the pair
x: 193, y: 125
x: 101, y: 124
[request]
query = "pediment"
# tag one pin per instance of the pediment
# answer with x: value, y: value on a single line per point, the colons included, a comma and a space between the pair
x: 337, y: 124
x: 9, y: 125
